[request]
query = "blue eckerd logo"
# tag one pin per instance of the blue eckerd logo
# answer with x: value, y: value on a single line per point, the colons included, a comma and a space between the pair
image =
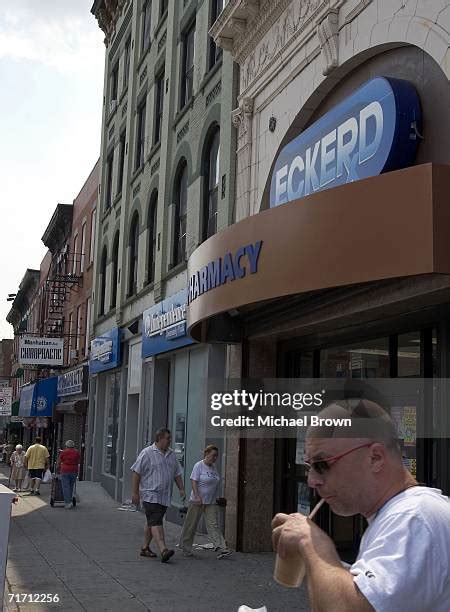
x: 372, y: 131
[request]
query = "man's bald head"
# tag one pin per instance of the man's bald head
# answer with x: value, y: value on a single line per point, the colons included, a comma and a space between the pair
x: 368, y: 421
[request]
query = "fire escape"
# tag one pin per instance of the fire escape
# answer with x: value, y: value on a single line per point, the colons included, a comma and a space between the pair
x: 62, y: 278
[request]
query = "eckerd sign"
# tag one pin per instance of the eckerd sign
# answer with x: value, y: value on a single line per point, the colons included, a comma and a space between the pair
x: 373, y: 131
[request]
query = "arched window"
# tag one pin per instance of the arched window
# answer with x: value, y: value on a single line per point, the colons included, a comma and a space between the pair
x: 102, y: 282
x: 211, y: 185
x: 151, y: 237
x: 115, y: 271
x: 134, y: 250
x: 179, y: 242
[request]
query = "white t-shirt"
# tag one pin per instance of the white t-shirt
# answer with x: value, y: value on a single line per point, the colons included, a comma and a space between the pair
x: 208, y: 480
x: 403, y: 562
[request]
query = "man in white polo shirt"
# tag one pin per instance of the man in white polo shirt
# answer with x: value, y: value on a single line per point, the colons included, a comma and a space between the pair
x: 404, y: 556
x: 154, y: 471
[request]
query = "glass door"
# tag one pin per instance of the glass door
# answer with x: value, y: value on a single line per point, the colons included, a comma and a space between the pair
x: 408, y: 355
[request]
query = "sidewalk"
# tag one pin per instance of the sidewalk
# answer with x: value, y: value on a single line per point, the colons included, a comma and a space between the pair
x: 89, y: 557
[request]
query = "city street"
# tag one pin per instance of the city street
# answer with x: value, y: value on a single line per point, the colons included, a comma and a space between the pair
x: 89, y: 557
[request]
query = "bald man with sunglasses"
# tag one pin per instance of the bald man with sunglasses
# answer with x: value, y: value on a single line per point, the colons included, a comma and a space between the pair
x: 404, y: 556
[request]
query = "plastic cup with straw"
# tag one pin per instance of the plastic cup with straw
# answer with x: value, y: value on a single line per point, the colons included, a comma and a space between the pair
x: 290, y: 571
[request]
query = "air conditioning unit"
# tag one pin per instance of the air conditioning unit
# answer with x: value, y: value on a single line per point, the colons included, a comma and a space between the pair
x: 73, y: 354
x: 112, y: 106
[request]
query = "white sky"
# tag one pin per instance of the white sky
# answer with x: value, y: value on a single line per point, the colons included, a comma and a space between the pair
x: 51, y: 88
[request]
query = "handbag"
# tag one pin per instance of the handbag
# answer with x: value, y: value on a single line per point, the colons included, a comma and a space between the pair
x: 47, y: 477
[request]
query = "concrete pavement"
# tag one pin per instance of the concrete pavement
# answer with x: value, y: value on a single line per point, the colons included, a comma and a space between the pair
x: 89, y: 558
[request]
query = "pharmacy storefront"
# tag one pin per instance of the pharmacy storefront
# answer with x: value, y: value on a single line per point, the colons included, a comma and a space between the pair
x: 343, y: 270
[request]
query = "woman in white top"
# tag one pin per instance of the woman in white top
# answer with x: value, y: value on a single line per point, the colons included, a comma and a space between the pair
x: 205, y: 481
x: 17, y: 462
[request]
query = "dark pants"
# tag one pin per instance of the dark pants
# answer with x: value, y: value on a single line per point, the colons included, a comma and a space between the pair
x: 67, y: 483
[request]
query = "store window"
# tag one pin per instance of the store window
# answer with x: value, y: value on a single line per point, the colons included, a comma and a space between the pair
x: 112, y: 423
x: 188, y: 373
x: 366, y: 359
x: 408, y: 354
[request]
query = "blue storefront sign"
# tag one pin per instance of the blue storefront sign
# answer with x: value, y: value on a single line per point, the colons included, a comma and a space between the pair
x: 73, y: 382
x: 372, y: 131
x: 105, y: 352
x: 232, y: 266
x: 164, y: 325
x: 39, y: 398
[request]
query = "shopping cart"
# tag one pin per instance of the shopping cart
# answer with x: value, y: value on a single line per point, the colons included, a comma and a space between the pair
x: 56, y: 491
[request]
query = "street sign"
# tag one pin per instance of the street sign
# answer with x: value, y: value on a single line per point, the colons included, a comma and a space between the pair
x: 41, y: 351
x: 5, y: 401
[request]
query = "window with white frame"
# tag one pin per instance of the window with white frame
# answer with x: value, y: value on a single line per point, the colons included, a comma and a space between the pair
x: 87, y: 326
x: 91, y: 250
x: 75, y: 255
x: 83, y: 247
x: 187, y: 66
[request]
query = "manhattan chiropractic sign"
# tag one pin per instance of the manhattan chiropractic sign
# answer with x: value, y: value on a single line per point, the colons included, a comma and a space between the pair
x: 41, y: 351
x: 372, y: 131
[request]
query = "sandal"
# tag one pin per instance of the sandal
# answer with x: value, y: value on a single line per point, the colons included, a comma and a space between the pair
x: 146, y: 552
x: 166, y: 554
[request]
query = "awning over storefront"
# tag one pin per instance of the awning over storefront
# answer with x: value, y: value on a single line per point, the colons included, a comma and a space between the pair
x: 75, y: 407
x: 39, y: 398
x: 393, y: 225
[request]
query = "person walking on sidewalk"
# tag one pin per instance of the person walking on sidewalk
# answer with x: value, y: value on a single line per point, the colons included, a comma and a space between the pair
x: 154, y: 471
x: 205, y: 481
x: 36, y: 461
x: 17, y: 462
x: 69, y: 466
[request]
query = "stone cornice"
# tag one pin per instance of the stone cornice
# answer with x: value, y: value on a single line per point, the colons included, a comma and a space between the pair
x: 297, y: 22
x: 243, y: 24
x: 107, y: 13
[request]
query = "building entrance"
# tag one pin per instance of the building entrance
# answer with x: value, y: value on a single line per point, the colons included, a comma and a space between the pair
x: 405, y: 355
